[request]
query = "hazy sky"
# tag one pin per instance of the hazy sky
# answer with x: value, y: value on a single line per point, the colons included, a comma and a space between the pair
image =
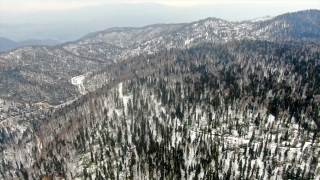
x: 11, y: 7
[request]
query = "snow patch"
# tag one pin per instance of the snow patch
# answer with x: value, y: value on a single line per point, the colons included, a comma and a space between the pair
x: 78, y: 81
x: 265, y: 18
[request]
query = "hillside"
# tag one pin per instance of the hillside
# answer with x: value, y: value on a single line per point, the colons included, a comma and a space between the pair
x: 180, y: 101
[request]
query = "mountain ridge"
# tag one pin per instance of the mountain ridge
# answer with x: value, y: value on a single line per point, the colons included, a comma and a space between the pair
x: 7, y: 44
x: 117, y: 44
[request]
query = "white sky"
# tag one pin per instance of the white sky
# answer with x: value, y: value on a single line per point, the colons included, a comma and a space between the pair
x: 30, y: 6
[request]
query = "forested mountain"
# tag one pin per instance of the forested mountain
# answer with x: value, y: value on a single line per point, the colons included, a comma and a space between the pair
x: 40, y: 69
x: 186, y: 101
x: 304, y: 24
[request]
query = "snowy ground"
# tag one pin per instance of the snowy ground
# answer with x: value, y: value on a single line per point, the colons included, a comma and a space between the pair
x: 78, y: 81
x: 265, y: 18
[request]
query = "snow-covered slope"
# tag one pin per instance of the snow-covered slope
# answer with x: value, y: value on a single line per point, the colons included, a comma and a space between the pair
x: 78, y: 81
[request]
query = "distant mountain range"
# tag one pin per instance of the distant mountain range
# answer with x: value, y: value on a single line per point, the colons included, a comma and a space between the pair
x: 7, y: 44
x: 72, y: 24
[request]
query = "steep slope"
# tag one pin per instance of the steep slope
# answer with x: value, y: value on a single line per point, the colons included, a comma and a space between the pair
x: 245, y: 109
x: 303, y: 24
